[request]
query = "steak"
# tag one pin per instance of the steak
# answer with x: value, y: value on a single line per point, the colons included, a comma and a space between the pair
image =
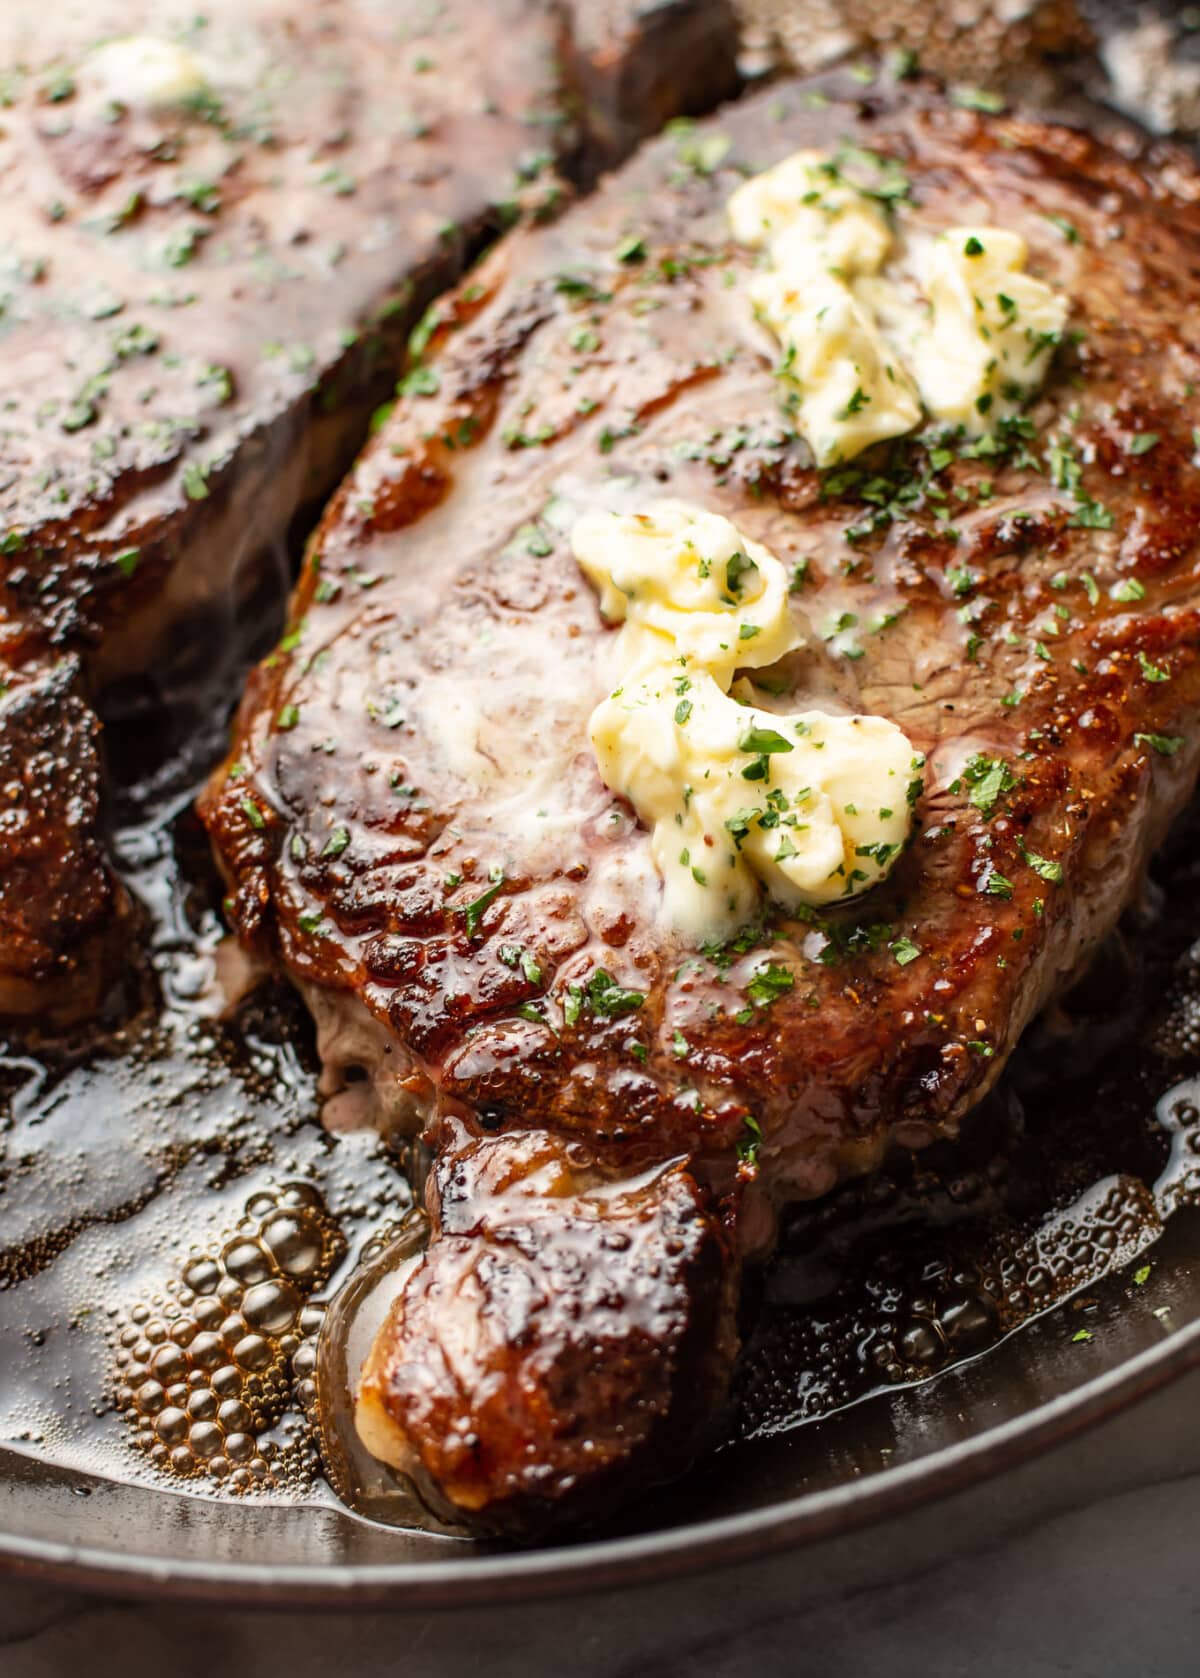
x: 56, y: 888
x: 412, y: 823
x: 217, y: 238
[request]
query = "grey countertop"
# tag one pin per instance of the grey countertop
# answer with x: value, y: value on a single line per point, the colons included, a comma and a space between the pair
x: 1108, y: 1591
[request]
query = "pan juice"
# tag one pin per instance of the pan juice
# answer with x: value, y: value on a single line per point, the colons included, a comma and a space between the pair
x: 173, y: 1217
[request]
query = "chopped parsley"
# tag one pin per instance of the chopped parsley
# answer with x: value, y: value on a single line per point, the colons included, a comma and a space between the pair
x: 764, y: 740
x: 195, y: 482
x: 904, y: 950
x: 769, y: 982
x: 580, y: 288
x: 988, y: 779
x: 515, y: 955
x: 994, y: 884
x: 751, y: 1142
x: 1166, y: 745
x: 737, y: 567
x: 703, y: 154
x: 1067, y: 228
x: 473, y: 912
x: 420, y: 381
x: 602, y: 996
x: 1090, y: 515
x: 977, y: 99
x: 1042, y: 866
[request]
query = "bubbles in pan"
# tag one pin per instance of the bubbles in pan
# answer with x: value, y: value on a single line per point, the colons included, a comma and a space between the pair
x: 210, y: 1365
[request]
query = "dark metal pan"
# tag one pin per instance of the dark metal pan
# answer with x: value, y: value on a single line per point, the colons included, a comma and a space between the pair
x: 971, y: 1437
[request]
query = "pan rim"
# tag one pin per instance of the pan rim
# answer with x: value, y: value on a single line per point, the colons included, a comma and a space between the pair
x: 608, y: 1564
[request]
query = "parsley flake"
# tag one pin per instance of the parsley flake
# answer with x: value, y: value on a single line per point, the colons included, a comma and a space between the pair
x: 1166, y: 745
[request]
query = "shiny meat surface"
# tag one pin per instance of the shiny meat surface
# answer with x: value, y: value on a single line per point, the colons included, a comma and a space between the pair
x: 619, y: 1294
x: 209, y: 269
x: 55, y: 892
x: 411, y: 819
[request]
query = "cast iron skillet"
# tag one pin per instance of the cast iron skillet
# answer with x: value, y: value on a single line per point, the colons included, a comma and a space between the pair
x: 882, y: 1458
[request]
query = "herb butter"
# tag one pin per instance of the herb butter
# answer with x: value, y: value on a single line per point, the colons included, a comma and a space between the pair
x: 823, y: 238
x: 993, y: 328
x: 739, y: 801
x: 875, y: 330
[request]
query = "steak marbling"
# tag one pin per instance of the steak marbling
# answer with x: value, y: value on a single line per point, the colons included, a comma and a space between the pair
x: 411, y: 820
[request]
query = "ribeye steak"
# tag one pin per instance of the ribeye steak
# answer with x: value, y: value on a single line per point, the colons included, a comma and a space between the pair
x: 412, y: 821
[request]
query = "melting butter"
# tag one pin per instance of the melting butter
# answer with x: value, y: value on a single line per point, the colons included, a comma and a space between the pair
x: 993, y: 328
x: 144, y: 72
x: 687, y: 585
x: 740, y: 801
x: 869, y: 335
x: 823, y: 238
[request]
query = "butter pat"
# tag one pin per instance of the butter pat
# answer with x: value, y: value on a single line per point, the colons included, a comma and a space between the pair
x: 868, y: 334
x: 823, y: 236
x: 992, y: 331
x: 803, y: 212
x: 144, y: 72
x: 740, y: 801
x: 851, y: 389
x: 808, y: 808
x: 687, y: 585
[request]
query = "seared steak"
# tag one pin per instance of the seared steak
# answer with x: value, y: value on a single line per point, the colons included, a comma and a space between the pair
x: 412, y: 822
x: 55, y: 891
x: 217, y: 237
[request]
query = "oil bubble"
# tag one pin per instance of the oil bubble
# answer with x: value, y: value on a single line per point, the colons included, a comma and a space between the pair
x: 202, y: 1390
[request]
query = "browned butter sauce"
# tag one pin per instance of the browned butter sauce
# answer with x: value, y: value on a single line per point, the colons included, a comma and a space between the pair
x: 173, y: 1217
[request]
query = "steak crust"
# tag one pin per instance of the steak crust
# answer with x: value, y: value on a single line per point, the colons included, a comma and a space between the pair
x: 565, y: 1330
x: 205, y: 299
x: 55, y: 892
x: 411, y: 819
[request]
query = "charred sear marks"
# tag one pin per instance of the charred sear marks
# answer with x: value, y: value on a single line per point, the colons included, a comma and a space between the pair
x: 411, y: 818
